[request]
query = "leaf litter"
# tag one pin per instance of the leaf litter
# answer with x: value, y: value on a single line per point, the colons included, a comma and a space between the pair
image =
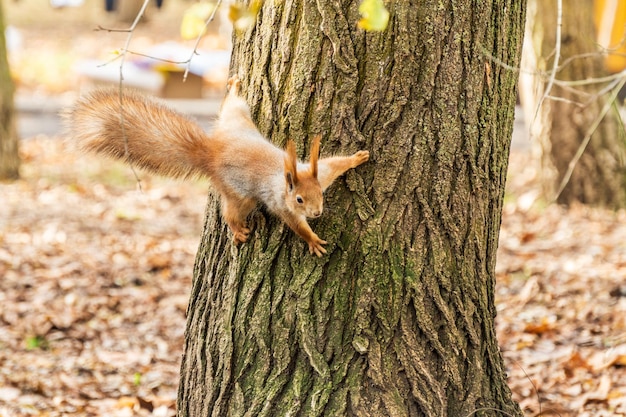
x: 96, y: 278
x: 95, y: 284
x: 561, y: 301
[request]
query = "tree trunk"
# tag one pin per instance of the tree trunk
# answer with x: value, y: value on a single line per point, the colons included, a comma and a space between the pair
x: 562, y: 127
x: 9, y: 158
x: 397, y: 318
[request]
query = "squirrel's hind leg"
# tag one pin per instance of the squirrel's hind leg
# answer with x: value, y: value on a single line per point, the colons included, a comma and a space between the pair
x: 235, y: 112
x: 233, y: 85
x: 235, y: 210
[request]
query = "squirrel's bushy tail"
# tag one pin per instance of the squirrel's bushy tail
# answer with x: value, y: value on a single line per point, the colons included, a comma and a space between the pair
x: 140, y: 131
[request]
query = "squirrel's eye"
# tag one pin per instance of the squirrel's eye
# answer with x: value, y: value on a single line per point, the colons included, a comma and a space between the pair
x: 299, y: 200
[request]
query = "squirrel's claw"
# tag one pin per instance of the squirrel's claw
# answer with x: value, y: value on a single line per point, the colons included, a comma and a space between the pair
x: 241, y: 235
x: 233, y: 85
x: 316, y: 248
x: 360, y: 157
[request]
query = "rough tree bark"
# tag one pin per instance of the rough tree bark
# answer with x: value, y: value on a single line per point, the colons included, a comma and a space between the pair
x: 398, y: 318
x: 9, y: 158
x: 560, y: 126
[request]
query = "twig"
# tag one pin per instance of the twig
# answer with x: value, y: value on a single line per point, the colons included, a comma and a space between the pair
x: 131, y: 31
x: 573, y: 58
x: 566, y: 100
x: 101, y: 28
x: 560, y: 83
x: 122, y: 57
x: 504, y: 65
x: 577, y: 83
x: 589, y: 97
x: 168, y: 61
x: 602, y: 91
x: 195, y: 47
x: 587, y: 138
x: 557, y: 55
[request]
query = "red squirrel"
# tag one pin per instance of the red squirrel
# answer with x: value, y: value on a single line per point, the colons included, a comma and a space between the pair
x: 242, y: 165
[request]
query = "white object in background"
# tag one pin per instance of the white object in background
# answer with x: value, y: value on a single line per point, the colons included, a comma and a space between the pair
x: 13, y: 38
x: 203, y: 62
x: 134, y: 75
x: 65, y: 3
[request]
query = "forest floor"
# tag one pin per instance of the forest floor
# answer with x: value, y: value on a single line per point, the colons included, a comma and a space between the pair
x: 561, y: 301
x: 95, y: 275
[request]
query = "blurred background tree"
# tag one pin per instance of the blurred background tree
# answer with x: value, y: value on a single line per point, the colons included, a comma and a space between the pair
x: 9, y: 157
x: 577, y: 132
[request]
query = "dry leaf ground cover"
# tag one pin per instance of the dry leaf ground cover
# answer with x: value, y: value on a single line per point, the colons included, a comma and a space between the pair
x: 96, y: 276
x: 94, y: 287
x: 561, y: 300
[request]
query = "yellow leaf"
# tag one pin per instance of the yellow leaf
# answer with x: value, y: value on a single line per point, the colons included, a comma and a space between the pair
x: 194, y: 19
x: 244, y: 17
x: 374, y: 15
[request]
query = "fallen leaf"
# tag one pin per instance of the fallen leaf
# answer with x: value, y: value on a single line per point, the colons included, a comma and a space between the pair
x: 545, y: 325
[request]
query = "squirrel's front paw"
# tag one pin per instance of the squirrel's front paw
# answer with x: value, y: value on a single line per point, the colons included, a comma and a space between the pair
x: 360, y: 157
x: 241, y: 235
x: 315, y: 246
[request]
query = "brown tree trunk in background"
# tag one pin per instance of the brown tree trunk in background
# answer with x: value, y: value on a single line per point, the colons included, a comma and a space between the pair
x: 561, y: 127
x: 398, y: 318
x: 9, y: 157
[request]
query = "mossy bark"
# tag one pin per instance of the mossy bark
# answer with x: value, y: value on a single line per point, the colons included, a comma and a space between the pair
x: 9, y: 157
x: 398, y: 318
x: 562, y: 125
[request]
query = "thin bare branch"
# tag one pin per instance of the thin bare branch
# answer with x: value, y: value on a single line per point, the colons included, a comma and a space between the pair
x: 195, y: 47
x: 607, y: 89
x: 101, y: 28
x: 129, y: 52
x: 587, y: 138
x: 573, y: 58
x: 557, y: 55
x: 504, y: 65
x: 125, y: 51
x: 131, y: 31
x: 589, y: 81
x: 167, y: 61
x: 589, y: 97
x: 562, y: 65
x: 565, y: 100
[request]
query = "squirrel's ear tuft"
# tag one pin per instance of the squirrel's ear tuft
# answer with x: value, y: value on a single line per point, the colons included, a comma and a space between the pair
x: 291, y: 163
x: 289, y: 180
x: 315, y: 153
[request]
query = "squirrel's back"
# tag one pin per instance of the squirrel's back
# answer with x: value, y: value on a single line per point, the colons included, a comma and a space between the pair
x: 141, y: 131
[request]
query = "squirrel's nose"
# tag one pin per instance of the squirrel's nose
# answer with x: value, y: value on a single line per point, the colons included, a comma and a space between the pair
x: 317, y: 213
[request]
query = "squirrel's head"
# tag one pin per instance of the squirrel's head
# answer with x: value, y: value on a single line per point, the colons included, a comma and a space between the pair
x: 304, y: 193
